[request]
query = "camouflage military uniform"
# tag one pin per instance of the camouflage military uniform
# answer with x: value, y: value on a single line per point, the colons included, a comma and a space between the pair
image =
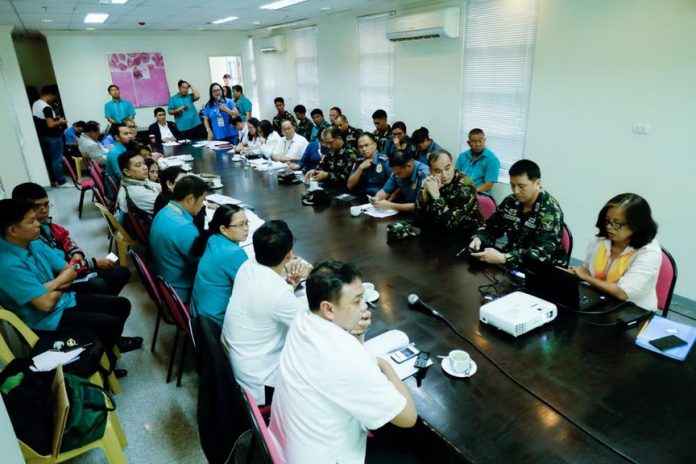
x: 536, y: 234
x: 350, y: 136
x: 381, y: 138
x: 456, y: 210
x: 304, y: 128
x: 338, y: 166
x: 278, y: 118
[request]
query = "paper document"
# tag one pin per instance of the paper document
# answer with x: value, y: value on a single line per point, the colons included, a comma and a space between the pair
x: 222, y: 199
x: 49, y: 360
x: 170, y: 144
x: 275, y: 165
x: 388, y: 342
x: 254, y: 223
x: 165, y: 163
x: 182, y: 157
x: 370, y: 210
x: 659, y: 327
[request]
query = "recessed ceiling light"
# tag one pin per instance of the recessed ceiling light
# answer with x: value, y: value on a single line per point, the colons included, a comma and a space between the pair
x: 46, y: 20
x: 325, y: 8
x: 225, y: 20
x: 89, y: 29
x: 118, y: 2
x: 96, y: 18
x: 279, y: 5
x: 256, y: 23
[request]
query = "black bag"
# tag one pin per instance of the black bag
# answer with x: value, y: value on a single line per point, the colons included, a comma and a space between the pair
x: 88, y: 362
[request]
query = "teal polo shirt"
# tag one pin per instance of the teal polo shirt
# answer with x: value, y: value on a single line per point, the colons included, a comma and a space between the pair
x: 118, y: 110
x: 189, y: 118
x: 484, y: 169
x: 26, y: 270
x: 112, y: 169
x: 244, y: 107
x: 172, y: 236
x: 410, y: 186
x: 212, y: 288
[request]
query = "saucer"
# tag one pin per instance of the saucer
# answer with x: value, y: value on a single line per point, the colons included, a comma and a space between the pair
x: 236, y: 158
x: 372, y: 297
x: 468, y: 373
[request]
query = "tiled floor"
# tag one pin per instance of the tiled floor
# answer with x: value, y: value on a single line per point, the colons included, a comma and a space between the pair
x: 159, y: 419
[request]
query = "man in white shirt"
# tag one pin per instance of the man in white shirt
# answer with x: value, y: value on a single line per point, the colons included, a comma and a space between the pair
x: 262, y: 306
x: 135, y: 184
x: 330, y: 391
x: 89, y: 145
x: 291, y: 147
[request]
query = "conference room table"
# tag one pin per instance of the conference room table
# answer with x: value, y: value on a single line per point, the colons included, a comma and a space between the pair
x: 604, y: 398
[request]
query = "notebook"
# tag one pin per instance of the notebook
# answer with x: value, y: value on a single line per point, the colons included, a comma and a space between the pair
x: 659, y: 327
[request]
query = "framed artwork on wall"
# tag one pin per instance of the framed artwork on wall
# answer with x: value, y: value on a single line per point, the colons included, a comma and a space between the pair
x: 140, y: 76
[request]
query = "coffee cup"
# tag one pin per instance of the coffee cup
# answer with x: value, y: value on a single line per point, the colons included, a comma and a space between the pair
x: 355, y: 211
x: 313, y: 185
x: 368, y: 290
x: 459, y: 361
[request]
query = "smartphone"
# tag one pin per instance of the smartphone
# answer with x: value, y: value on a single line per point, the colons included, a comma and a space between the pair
x: 404, y: 354
x: 422, y: 360
x: 112, y: 257
x: 667, y: 343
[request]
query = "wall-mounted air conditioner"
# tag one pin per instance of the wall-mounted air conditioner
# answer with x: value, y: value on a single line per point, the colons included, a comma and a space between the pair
x: 429, y: 25
x: 272, y: 44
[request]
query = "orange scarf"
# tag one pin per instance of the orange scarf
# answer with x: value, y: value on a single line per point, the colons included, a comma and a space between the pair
x: 615, y: 270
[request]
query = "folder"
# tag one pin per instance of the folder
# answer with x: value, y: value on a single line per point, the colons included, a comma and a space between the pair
x: 659, y: 327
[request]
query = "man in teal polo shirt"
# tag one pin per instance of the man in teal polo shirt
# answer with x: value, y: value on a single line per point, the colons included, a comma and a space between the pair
x: 37, y: 290
x: 401, y: 190
x: 123, y: 137
x: 242, y: 102
x: 173, y: 235
x: 118, y: 109
x: 184, y: 111
x: 479, y: 162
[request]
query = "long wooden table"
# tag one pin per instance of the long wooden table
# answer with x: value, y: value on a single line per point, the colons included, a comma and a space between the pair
x: 636, y: 402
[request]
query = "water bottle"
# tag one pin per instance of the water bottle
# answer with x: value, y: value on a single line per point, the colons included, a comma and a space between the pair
x: 269, y: 166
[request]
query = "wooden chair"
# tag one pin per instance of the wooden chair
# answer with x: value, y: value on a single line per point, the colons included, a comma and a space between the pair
x: 117, y: 233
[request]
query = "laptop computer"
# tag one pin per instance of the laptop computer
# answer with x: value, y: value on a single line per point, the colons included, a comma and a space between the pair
x: 560, y: 287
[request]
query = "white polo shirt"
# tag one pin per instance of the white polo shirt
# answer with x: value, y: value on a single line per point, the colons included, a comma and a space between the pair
x: 261, y: 309
x: 267, y: 148
x: 329, y: 393
x: 291, y: 150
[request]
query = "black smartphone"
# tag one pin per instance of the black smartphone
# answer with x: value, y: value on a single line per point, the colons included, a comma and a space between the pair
x: 667, y: 343
x: 422, y: 360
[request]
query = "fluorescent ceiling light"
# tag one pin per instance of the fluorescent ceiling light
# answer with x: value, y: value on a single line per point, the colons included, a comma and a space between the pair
x: 225, y: 20
x: 292, y: 23
x: 118, y: 2
x: 96, y: 18
x: 89, y: 28
x: 46, y: 20
x: 279, y: 5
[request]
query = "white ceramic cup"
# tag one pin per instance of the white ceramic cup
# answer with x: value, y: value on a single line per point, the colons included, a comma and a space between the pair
x: 459, y: 361
x: 355, y: 211
x: 313, y: 185
x: 368, y: 290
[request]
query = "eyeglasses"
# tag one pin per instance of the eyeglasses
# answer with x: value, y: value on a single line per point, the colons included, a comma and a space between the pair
x: 613, y: 224
x: 39, y: 206
x: 240, y: 225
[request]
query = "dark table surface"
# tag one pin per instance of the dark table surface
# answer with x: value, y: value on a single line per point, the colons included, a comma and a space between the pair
x: 628, y: 398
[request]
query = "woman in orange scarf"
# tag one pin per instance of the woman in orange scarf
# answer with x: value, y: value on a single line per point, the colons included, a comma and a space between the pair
x: 623, y: 260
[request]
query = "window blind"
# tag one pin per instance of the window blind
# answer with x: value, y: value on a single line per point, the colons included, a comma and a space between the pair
x: 498, y: 58
x: 252, y: 92
x: 376, y: 68
x: 306, y: 67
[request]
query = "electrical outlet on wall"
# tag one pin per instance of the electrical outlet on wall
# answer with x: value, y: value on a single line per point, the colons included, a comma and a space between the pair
x: 641, y: 128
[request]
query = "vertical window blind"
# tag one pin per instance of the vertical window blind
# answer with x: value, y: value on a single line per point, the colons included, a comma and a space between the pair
x: 251, y: 89
x: 306, y: 67
x: 376, y: 68
x: 498, y: 58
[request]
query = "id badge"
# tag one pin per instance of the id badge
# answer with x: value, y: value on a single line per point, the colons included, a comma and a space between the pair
x: 220, y: 121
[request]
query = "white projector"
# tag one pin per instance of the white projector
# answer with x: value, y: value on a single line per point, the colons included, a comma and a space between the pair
x: 517, y: 313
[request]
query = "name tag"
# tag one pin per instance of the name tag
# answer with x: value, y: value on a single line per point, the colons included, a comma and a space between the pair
x: 220, y: 121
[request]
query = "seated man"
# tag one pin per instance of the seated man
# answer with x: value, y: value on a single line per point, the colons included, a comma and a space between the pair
x: 136, y: 188
x: 261, y: 308
x: 479, y: 162
x: 304, y: 124
x: 163, y: 130
x: 37, y: 291
x: 319, y: 124
x: 401, y: 190
x: 173, y: 235
x: 330, y: 391
x: 382, y: 131
x: 291, y: 147
x: 123, y: 139
x: 348, y: 133
x: 310, y: 158
x: 447, y: 201
x: 531, y: 218
x: 371, y: 171
x: 334, y: 168
x: 110, y: 278
x: 71, y: 134
x: 89, y: 146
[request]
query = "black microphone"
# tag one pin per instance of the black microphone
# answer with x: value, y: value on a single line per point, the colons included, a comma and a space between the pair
x: 417, y: 303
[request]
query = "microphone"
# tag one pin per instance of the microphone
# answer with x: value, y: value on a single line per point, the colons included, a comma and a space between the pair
x: 419, y: 304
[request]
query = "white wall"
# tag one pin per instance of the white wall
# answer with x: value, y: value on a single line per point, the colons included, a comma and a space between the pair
x: 17, y: 132
x: 34, y: 61
x: 82, y: 73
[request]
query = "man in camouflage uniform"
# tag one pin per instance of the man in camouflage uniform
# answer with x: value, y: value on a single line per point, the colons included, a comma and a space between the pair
x: 447, y: 201
x: 282, y: 115
x: 335, y: 167
x: 531, y: 218
x: 304, y: 125
x: 348, y: 133
x: 382, y: 129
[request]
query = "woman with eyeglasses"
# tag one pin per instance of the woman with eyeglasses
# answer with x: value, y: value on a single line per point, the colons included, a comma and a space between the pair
x: 623, y: 260
x: 220, y: 262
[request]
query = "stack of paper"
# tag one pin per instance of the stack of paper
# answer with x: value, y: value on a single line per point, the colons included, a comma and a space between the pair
x: 49, y: 360
x: 659, y: 327
x: 182, y: 157
x: 170, y: 144
x: 385, y: 344
x: 222, y: 199
x: 274, y: 165
x: 370, y: 210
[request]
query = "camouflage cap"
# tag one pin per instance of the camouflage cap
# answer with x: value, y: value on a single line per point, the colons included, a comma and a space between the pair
x: 401, y: 230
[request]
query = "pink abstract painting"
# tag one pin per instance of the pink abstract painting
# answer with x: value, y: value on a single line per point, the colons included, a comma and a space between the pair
x: 140, y: 77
